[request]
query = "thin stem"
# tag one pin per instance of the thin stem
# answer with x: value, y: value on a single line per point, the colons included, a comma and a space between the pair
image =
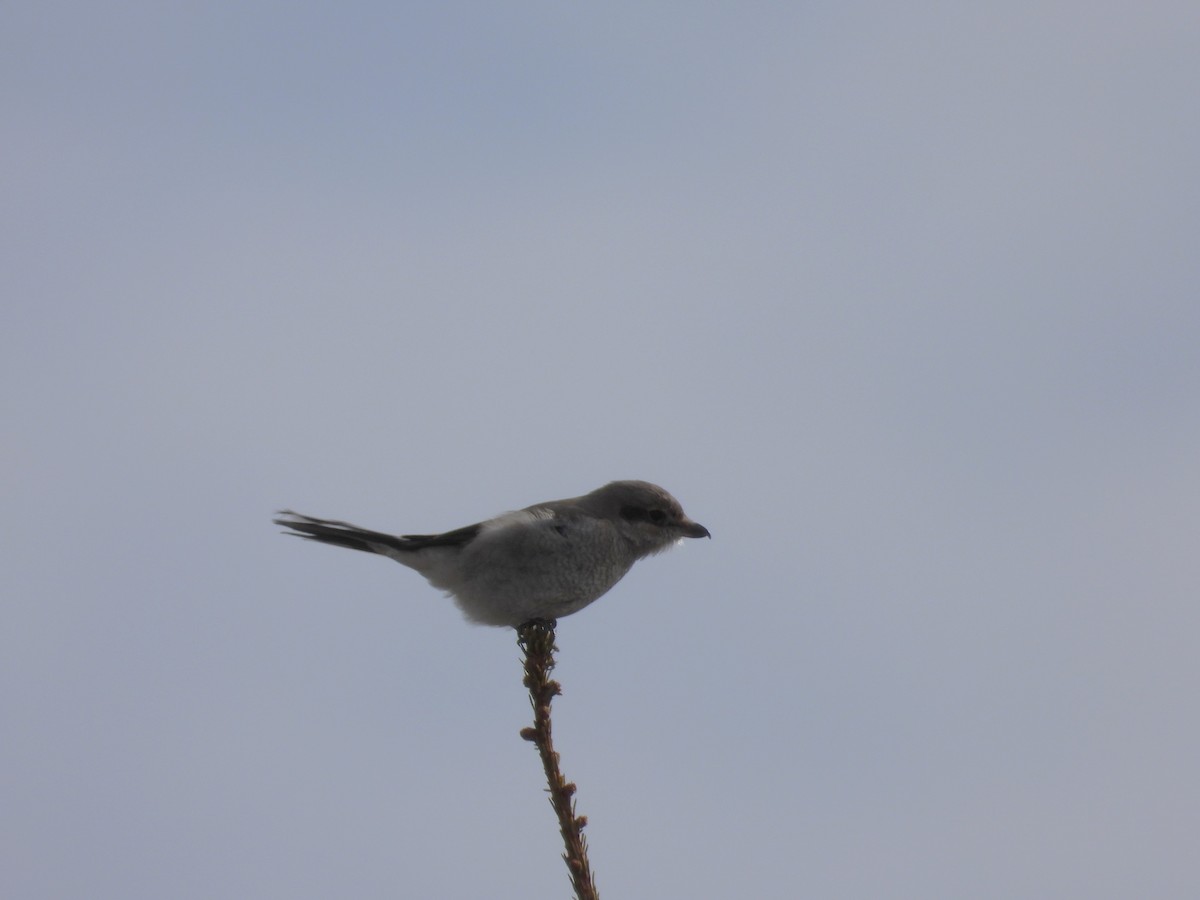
x: 536, y: 640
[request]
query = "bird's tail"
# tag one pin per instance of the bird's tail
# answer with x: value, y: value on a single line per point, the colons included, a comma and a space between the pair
x: 342, y: 534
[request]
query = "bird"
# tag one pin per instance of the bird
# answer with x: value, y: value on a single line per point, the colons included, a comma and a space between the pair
x: 535, y: 564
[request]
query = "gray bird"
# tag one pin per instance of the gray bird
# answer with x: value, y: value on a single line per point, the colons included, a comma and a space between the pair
x: 545, y: 561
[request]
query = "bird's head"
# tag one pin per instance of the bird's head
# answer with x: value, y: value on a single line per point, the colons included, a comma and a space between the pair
x: 645, y: 515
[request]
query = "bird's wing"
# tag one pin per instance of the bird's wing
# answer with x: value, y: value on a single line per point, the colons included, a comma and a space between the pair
x: 459, y: 537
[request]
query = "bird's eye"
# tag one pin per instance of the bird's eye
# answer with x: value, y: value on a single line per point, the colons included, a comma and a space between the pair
x: 657, y: 516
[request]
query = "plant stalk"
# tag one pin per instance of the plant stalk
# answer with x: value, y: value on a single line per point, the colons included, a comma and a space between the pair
x: 536, y: 640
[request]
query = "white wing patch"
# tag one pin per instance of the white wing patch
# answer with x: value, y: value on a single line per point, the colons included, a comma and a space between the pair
x: 515, y: 518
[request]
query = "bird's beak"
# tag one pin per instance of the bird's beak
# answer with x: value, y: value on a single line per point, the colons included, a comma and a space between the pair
x: 693, y: 529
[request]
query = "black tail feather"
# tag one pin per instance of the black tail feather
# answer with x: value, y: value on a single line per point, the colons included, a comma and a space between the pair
x: 340, y: 534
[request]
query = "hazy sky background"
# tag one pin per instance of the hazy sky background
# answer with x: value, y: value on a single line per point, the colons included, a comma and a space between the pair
x: 902, y: 302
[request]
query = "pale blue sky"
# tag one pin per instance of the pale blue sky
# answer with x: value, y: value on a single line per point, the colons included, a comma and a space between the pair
x: 903, y: 303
